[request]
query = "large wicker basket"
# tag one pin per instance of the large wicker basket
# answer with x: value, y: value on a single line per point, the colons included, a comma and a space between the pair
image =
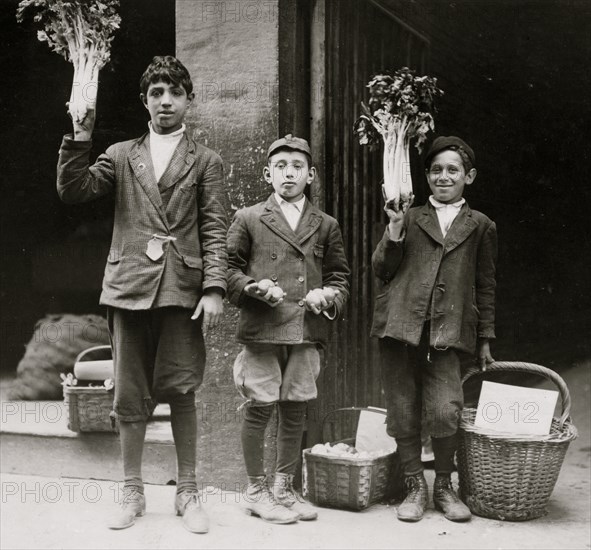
x: 350, y: 483
x: 89, y: 408
x: 507, y: 476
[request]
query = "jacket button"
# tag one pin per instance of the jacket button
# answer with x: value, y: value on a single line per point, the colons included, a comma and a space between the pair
x: 273, y: 256
x: 274, y: 277
x: 301, y: 258
x: 301, y: 303
x: 300, y: 279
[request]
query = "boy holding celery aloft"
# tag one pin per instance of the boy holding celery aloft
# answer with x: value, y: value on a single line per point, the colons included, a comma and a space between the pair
x: 437, y: 264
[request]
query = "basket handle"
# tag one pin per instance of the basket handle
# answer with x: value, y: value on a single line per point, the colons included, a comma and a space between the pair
x: 530, y: 368
x: 341, y: 409
x: 89, y: 350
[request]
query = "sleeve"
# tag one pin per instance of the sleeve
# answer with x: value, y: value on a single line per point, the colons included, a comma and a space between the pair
x: 213, y: 226
x: 77, y: 181
x: 387, y: 256
x: 239, y: 246
x: 486, y: 282
x: 335, y: 270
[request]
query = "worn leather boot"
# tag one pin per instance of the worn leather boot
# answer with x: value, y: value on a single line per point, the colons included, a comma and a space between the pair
x: 447, y: 501
x: 132, y: 505
x: 285, y: 495
x: 260, y: 501
x: 417, y: 495
x: 188, y: 505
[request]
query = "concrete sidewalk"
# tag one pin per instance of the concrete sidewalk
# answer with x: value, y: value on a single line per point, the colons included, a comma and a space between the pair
x: 42, y: 512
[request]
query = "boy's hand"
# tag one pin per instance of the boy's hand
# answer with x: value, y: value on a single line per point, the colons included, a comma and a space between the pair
x: 316, y: 301
x: 484, y: 356
x: 212, y: 307
x: 396, y: 224
x: 83, y: 130
x: 272, y: 295
x: 396, y: 218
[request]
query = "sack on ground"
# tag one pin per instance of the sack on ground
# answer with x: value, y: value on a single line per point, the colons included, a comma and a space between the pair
x: 56, y: 342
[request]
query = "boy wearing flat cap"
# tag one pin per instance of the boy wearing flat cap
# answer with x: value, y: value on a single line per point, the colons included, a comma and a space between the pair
x: 289, y: 275
x: 437, y: 265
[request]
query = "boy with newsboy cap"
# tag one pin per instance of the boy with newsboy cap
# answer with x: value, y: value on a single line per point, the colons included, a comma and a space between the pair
x: 437, y: 265
x: 279, y: 251
x: 165, y: 276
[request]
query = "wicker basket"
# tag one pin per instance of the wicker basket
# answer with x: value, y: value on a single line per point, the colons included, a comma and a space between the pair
x: 507, y: 476
x: 350, y: 483
x: 89, y: 408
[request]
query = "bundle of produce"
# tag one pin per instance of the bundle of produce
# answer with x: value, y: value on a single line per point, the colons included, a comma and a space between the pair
x: 399, y: 112
x: 81, y: 31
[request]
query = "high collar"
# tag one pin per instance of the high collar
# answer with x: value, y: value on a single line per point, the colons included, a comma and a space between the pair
x: 165, y: 137
x: 298, y: 204
x: 437, y: 204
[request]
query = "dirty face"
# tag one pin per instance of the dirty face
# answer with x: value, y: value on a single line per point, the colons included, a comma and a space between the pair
x: 289, y: 173
x: 447, y: 177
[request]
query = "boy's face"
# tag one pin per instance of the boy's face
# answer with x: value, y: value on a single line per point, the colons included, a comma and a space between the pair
x: 289, y: 173
x: 166, y: 104
x: 447, y: 177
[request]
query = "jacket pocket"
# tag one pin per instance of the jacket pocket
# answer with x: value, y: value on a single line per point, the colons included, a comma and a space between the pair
x: 319, y: 250
x: 114, y: 257
x: 193, y: 262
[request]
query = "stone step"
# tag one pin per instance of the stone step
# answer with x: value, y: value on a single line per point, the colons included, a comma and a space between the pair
x: 35, y: 440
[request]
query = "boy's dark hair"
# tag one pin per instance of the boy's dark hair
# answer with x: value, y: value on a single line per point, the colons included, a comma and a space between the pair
x: 166, y: 68
x: 452, y: 143
x: 287, y: 148
x: 464, y: 156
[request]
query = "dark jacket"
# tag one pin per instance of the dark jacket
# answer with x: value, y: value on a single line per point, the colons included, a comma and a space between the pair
x: 262, y: 245
x: 193, y: 213
x: 450, y: 280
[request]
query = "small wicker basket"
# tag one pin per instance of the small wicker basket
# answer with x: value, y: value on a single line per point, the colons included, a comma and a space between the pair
x: 508, y: 476
x: 350, y: 483
x: 89, y: 408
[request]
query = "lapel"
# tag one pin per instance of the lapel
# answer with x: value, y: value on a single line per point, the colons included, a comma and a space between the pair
x: 309, y: 222
x: 140, y: 161
x: 274, y: 219
x: 181, y: 162
x: 428, y: 222
x: 460, y: 229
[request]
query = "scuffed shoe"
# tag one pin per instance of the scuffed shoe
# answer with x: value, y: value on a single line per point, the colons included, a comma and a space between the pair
x: 188, y: 505
x: 259, y: 501
x: 447, y: 501
x: 285, y: 495
x: 417, y: 495
x: 132, y: 505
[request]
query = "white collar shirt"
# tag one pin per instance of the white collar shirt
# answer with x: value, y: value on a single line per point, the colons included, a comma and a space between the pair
x: 446, y: 213
x: 291, y: 210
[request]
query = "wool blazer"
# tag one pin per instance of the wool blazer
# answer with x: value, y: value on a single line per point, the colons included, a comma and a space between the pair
x: 262, y: 245
x: 451, y: 280
x: 193, y: 215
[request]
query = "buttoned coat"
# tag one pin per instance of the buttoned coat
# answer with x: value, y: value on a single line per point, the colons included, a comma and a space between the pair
x: 262, y: 245
x: 186, y: 204
x: 450, y: 279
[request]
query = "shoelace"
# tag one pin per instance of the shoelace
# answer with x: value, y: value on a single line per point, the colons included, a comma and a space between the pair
x: 191, y: 501
x: 290, y: 493
x: 413, y: 495
x: 130, y: 496
x: 444, y: 488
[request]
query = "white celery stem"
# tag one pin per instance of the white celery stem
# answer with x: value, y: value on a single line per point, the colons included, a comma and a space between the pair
x: 86, y: 71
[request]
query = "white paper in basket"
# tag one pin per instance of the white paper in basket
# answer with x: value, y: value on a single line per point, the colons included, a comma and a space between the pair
x: 515, y: 409
x: 371, y: 433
